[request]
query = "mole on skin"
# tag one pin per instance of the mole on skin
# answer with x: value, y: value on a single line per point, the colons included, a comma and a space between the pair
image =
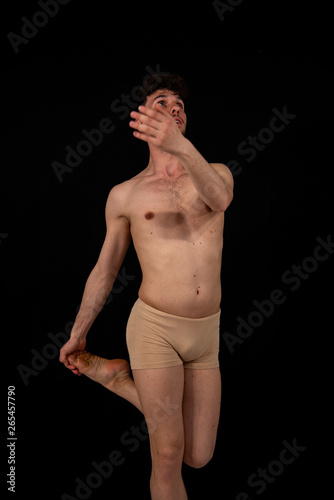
x: 149, y: 215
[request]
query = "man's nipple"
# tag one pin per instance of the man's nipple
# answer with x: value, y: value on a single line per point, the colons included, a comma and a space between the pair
x: 149, y: 215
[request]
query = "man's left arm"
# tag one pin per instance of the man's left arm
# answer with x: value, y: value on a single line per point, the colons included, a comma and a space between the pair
x: 213, y: 182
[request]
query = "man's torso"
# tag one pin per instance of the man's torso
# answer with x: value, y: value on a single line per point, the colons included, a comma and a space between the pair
x: 179, y: 241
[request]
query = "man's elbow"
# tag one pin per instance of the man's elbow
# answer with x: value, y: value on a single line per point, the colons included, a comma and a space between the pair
x: 223, y: 203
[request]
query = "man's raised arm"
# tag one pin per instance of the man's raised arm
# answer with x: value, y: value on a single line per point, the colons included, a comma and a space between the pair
x: 214, y: 183
x: 100, y: 281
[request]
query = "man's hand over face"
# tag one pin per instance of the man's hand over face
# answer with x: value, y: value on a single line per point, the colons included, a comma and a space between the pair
x: 158, y: 128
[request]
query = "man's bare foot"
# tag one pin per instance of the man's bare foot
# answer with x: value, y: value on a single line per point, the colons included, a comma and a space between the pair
x: 114, y: 374
x: 101, y: 370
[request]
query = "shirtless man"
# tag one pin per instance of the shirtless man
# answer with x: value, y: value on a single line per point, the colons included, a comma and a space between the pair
x: 174, y: 212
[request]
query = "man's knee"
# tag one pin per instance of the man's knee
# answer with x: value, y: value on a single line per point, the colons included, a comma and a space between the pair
x: 169, y: 453
x: 197, y: 460
x: 167, y: 458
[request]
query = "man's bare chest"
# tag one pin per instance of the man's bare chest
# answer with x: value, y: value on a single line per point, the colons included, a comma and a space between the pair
x: 171, y: 210
x: 156, y: 198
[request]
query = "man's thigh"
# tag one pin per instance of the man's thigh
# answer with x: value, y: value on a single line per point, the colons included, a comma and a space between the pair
x: 160, y: 392
x: 201, y: 410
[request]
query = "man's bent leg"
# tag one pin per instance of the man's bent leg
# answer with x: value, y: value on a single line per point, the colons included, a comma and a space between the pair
x: 201, y: 409
x: 160, y: 392
x: 114, y: 374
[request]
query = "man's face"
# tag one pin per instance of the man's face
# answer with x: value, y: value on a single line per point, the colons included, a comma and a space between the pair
x: 170, y: 102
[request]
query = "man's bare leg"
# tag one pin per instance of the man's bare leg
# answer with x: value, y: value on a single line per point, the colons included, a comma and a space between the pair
x: 165, y: 427
x: 201, y: 409
x: 114, y: 374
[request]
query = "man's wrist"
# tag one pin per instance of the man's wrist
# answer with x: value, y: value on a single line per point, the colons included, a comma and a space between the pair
x: 185, y: 149
x: 80, y: 328
x: 78, y: 335
x: 187, y: 152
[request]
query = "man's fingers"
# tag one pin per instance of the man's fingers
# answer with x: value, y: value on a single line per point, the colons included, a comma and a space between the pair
x: 73, y: 369
x: 144, y: 114
x: 142, y: 137
x: 143, y: 129
x: 140, y: 119
x: 63, y: 358
x: 157, y: 112
x: 160, y: 109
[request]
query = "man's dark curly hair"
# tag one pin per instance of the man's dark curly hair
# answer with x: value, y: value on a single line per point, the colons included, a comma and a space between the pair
x: 173, y: 82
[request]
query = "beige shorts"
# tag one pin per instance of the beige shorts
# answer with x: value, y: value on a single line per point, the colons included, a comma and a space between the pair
x: 157, y: 339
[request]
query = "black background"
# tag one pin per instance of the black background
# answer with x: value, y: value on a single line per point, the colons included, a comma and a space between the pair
x: 263, y: 55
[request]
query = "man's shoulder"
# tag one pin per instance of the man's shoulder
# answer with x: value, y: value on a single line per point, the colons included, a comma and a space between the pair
x: 124, y: 188
x: 120, y: 194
